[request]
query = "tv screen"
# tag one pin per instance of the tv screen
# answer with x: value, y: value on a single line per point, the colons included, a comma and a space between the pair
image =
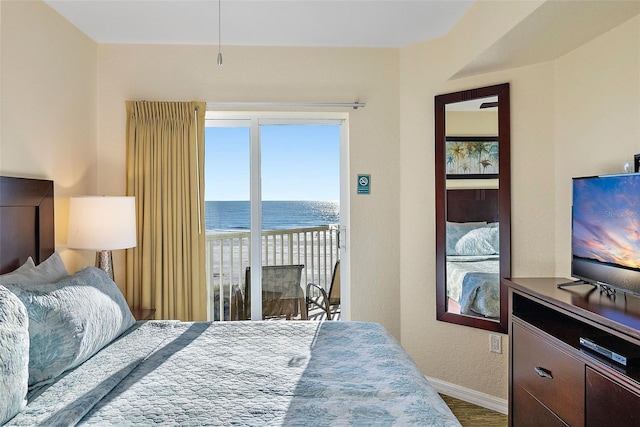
x: 606, y: 230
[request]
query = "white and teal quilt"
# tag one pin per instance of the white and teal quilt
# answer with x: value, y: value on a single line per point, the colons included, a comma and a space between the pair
x: 244, y: 374
x: 474, y: 282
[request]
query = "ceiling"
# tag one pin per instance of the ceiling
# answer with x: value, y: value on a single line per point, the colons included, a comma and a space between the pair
x: 331, y: 23
x: 553, y: 29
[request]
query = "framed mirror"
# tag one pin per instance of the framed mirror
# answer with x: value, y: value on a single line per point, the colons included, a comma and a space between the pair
x: 473, y: 206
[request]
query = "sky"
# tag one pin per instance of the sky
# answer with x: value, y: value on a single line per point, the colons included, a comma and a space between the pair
x: 606, y: 219
x: 299, y: 162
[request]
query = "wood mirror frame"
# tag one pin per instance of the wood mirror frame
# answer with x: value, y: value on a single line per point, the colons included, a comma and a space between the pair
x: 504, y: 204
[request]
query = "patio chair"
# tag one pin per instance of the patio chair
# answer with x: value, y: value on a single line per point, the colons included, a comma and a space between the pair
x: 237, y: 304
x: 329, y: 303
x: 282, y: 295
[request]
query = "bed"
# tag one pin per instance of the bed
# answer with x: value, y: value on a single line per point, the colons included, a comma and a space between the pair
x: 473, y: 252
x: 473, y: 283
x: 88, y: 364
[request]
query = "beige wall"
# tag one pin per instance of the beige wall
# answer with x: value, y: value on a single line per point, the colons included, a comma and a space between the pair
x: 577, y: 115
x: 48, y: 110
x: 471, y: 123
x: 139, y: 72
x: 597, y: 118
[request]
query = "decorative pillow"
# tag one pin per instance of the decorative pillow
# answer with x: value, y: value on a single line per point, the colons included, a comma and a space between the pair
x: 50, y: 270
x: 71, y: 320
x: 455, y: 231
x: 9, y: 277
x: 14, y: 355
x: 480, y: 241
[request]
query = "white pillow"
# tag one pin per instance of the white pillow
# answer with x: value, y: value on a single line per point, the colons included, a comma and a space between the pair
x: 50, y: 270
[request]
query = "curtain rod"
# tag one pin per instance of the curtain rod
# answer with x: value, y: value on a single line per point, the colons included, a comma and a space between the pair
x: 354, y: 105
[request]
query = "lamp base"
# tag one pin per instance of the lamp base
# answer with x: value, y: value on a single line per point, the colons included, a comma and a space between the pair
x: 104, y: 261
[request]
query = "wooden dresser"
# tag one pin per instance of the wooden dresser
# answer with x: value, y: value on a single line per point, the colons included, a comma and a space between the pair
x: 553, y: 379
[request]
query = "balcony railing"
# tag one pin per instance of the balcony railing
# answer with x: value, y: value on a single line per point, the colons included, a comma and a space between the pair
x: 228, y: 256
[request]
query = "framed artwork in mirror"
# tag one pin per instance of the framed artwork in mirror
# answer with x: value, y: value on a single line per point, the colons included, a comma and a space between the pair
x: 472, y: 157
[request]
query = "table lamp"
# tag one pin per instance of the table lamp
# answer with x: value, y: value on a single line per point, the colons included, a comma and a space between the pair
x: 102, y: 224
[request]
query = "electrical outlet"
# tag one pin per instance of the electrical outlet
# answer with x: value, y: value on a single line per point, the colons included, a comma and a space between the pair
x: 495, y: 343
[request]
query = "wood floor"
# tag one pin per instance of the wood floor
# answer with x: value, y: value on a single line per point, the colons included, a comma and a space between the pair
x: 471, y: 415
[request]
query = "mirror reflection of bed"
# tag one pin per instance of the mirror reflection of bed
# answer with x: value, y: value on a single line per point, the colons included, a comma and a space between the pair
x: 472, y: 230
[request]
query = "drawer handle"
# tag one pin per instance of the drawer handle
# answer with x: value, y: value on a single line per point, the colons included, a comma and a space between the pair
x: 544, y: 373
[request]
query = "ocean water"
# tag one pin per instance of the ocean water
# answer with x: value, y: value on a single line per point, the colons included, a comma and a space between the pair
x: 276, y: 215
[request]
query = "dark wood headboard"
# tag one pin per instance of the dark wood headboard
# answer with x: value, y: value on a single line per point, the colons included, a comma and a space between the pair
x: 472, y: 205
x: 26, y: 221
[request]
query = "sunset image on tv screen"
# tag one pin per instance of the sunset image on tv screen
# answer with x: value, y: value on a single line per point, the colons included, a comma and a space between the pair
x: 606, y: 220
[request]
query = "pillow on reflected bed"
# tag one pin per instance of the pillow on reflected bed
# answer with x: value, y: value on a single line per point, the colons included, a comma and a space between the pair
x: 456, y: 230
x: 479, y: 241
x: 50, y: 270
x: 71, y: 320
x: 14, y: 355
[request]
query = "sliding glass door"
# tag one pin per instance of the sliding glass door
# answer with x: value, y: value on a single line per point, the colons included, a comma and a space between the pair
x: 273, y: 213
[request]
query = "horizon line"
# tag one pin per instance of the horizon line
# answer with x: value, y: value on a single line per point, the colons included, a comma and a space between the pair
x: 279, y: 200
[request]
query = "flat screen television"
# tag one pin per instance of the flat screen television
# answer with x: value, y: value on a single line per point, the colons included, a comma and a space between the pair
x: 605, y: 242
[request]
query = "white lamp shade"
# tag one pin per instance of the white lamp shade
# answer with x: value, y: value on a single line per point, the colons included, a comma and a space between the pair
x: 102, y: 223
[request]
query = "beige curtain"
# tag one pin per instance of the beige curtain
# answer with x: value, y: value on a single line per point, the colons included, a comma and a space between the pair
x: 165, y: 171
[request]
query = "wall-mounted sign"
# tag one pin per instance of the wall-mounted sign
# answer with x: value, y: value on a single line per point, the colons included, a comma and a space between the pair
x: 364, y: 184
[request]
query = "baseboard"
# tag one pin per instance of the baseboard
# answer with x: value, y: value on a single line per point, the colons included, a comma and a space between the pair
x: 471, y: 396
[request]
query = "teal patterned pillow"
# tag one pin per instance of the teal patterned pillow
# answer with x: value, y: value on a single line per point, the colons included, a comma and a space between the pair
x: 480, y: 241
x: 17, y: 274
x: 14, y: 355
x: 50, y: 270
x: 71, y: 320
x: 456, y: 230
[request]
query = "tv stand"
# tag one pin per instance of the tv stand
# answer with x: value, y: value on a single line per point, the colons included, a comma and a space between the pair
x: 609, y: 291
x: 576, y: 283
x: 553, y: 379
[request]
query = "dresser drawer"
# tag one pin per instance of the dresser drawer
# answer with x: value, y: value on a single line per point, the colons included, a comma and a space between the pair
x: 609, y: 403
x: 528, y: 412
x: 549, y: 374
